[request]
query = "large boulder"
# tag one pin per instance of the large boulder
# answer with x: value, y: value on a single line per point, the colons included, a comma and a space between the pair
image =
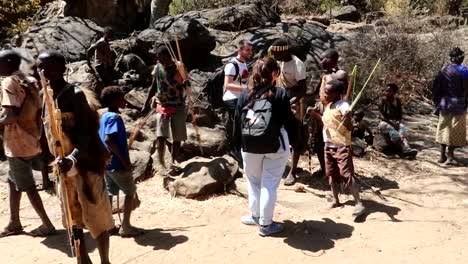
x: 202, y: 176
x: 124, y: 15
x: 71, y: 35
x: 346, y: 13
x: 79, y: 73
x: 194, y: 39
x: 237, y: 17
x: 204, y: 142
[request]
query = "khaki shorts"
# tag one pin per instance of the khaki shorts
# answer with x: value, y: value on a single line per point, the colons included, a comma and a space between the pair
x: 21, y: 171
x: 120, y: 180
x: 96, y: 216
x: 173, y: 127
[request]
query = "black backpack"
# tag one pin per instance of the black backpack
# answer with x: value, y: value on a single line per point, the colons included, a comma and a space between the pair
x: 260, y: 130
x: 215, y: 86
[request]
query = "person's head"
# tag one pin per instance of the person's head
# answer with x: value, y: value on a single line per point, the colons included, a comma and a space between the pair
x: 280, y: 50
x: 113, y: 97
x: 329, y: 59
x: 334, y: 90
x: 107, y: 33
x: 457, y: 55
x: 265, y: 72
x: 52, y: 63
x: 358, y: 116
x: 10, y: 62
x: 244, y: 50
x: 391, y: 90
x: 164, y: 56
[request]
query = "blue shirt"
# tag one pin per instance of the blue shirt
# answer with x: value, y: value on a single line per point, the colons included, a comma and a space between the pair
x: 112, y: 124
x: 448, y: 91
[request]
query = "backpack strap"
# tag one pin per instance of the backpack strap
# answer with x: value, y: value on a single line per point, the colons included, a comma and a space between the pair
x: 236, y: 67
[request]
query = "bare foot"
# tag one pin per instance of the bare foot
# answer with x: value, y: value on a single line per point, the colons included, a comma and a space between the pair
x: 12, y: 229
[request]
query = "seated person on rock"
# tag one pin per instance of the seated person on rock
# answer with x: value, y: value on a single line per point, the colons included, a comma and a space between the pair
x: 390, y: 127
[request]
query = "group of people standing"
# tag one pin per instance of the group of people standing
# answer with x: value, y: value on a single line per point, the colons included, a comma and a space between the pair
x: 266, y: 110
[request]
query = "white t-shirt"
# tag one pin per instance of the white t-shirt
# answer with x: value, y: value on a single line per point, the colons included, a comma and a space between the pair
x: 242, y: 77
x: 292, y: 72
x: 341, y: 105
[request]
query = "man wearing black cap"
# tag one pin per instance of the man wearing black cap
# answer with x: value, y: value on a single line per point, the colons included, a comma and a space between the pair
x: 450, y: 96
x: 293, y: 79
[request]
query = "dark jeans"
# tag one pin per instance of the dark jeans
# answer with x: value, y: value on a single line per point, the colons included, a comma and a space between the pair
x: 231, y: 109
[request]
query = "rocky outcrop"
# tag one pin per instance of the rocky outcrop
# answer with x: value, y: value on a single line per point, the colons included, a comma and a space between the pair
x: 204, y: 142
x: 122, y: 15
x: 71, y: 35
x: 237, y: 17
x: 194, y: 39
x: 202, y: 176
x: 79, y: 73
x: 346, y: 13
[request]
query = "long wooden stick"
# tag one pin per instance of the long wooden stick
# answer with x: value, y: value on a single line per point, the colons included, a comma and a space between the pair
x: 55, y: 125
x: 356, y: 100
x: 138, y: 128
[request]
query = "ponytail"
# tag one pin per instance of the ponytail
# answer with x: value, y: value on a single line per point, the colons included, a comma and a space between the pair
x: 262, y: 75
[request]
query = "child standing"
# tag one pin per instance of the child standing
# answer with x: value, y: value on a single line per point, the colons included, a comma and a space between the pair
x: 337, y: 127
x: 118, y: 174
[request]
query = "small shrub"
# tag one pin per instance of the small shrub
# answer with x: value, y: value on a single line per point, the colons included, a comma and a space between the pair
x: 15, y: 15
x: 410, y: 60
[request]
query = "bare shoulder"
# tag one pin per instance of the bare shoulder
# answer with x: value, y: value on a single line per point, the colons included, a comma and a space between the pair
x: 341, y: 75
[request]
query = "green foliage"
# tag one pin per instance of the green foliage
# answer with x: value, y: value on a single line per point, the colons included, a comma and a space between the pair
x: 182, y: 6
x: 16, y: 14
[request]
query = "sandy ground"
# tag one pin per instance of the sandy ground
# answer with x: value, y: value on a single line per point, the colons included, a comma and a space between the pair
x: 421, y: 217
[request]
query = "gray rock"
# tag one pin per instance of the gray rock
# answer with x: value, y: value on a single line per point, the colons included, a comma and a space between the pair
x: 203, y: 141
x: 79, y: 73
x: 237, y: 17
x: 195, y: 40
x: 202, y: 176
x: 71, y: 35
x: 346, y: 13
x: 122, y: 15
x: 133, y: 64
x: 142, y: 165
x: 136, y: 98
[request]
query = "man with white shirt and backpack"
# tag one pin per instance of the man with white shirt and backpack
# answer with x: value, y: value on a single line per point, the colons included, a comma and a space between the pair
x: 236, y: 75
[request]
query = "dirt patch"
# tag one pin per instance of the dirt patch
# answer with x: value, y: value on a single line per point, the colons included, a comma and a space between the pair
x: 420, y: 217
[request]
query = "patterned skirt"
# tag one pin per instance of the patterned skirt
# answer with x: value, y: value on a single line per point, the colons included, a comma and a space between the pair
x: 451, y: 130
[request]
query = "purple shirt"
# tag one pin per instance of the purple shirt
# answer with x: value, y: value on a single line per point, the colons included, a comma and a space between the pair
x: 448, y: 90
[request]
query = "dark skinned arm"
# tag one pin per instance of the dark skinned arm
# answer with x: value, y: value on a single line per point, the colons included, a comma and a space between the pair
x: 9, y: 115
x: 347, y: 121
x: 151, y: 93
x: 299, y: 90
x: 114, y: 149
x: 81, y: 112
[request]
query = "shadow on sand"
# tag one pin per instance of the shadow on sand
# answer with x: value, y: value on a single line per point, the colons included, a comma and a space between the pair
x: 315, y: 236
x: 159, y: 239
